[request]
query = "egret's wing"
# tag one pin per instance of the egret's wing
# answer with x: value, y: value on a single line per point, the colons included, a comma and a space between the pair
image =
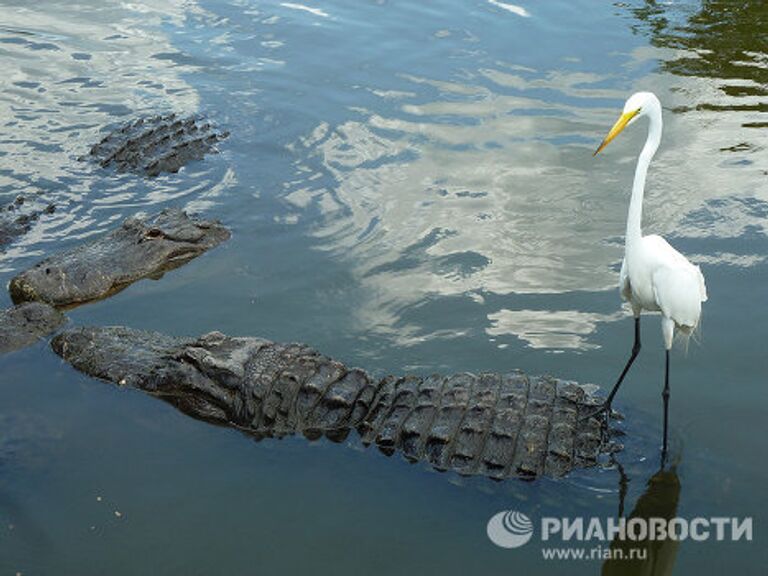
x: 680, y: 283
x: 702, y: 285
x: 624, y: 286
x: 678, y: 293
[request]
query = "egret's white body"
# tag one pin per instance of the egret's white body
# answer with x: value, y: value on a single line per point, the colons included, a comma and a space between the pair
x: 654, y: 276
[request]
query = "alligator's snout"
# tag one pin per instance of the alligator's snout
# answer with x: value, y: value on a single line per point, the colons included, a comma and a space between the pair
x: 69, y: 345
x: 22, y: 291
x: 117, y: 354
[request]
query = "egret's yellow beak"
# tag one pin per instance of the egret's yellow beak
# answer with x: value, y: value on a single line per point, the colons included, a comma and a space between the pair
x: 621, y: 123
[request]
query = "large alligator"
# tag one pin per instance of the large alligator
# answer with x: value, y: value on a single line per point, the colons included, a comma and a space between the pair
x: 156, y: 144
x: 137, y: 249
x: 497, y: 425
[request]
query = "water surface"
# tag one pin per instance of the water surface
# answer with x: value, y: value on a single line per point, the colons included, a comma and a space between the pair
x: 411, y: 187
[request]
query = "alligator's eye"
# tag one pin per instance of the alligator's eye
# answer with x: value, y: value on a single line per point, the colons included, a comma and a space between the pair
x: 153, y: 233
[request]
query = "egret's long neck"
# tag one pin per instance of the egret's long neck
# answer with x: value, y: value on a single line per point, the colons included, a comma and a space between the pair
x: 635, y: 217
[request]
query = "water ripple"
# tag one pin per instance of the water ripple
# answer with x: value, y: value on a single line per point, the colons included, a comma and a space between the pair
x: 66, y: 80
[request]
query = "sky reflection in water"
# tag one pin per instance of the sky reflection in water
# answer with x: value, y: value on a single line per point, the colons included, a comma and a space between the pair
x: 485, y: 183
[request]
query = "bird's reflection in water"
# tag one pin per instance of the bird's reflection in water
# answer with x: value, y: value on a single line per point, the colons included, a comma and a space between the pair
x: 645, y: 556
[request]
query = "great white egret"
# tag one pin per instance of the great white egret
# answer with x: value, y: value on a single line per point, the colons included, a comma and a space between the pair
x: 654, y: 276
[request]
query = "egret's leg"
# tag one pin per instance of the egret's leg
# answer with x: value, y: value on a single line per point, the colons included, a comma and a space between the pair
x: 606, y: 406
x: 623, y: 486
x: 635, y: 352
x: 665, y: 396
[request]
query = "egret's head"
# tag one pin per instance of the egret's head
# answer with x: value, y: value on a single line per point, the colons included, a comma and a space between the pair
x: 638, y: 105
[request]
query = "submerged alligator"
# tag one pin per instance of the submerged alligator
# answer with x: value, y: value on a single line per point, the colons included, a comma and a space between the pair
x: 146, y: 146
x: 24, y: 324
x: 495, y: 425
x: 137, y: 249
x: 16, y: 218
x: 150, y: 146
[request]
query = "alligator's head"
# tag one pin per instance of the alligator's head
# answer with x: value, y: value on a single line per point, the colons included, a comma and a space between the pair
x: 139, y: 248
x: 192, y: 374
x: 121, y: 355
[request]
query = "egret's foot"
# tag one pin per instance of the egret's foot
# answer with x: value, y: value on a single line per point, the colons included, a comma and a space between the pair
x: 605, y: 412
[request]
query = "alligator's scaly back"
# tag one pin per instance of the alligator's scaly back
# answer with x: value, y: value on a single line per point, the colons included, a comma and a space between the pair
x: 496, y: 425
x: 157, y: 144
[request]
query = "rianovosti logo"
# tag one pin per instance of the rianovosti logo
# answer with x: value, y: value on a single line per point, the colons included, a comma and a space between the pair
x: 510, y: 529
x: 596, y: 538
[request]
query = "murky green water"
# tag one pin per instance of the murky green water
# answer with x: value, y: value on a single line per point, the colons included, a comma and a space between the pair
x: 410, y: 187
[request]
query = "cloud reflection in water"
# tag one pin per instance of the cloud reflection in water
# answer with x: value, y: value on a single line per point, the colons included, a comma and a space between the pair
x: 502, y: 183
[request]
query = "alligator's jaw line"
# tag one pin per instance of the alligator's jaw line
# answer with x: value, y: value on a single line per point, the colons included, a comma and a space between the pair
x: 494, y: 425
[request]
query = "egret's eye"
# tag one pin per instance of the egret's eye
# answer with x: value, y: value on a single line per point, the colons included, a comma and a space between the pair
x: 634, y: 115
